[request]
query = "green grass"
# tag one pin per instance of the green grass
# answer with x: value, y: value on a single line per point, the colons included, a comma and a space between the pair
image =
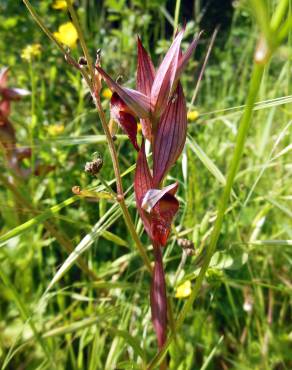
x: 96, y: 314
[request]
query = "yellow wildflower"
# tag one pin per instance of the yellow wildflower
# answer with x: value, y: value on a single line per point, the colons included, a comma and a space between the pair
x: 55, y: 129
x: 59, y: 4
x: 30, y: 51
x: 139, y: 127
x: 67, y: 34
x: 106, y: 93
x: 184, y: 290
x: 193, y: 115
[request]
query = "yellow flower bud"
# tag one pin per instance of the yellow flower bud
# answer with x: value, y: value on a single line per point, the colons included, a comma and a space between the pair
x: 184, y: 290
x: 55, y: 129
x: 59, y: 5
x: 30, y: 51
x: 193, y: 115
x: 106, y: 93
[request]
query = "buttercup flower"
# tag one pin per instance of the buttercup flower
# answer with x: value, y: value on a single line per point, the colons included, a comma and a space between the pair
x: 59, y: 5
x: 106, y: 93
x: 184, y: 290
x: 158, y: 103
x: 193, y: 115
x: 30, y: 51
x: 67, y: 34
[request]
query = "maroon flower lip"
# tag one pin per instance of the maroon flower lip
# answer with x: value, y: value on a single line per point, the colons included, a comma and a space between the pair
x: 159, y: 103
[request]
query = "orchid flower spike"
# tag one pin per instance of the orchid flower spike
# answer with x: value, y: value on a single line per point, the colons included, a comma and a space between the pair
x: 159, y: 104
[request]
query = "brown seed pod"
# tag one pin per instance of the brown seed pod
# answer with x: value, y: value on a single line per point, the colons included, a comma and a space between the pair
x: 94, y: 166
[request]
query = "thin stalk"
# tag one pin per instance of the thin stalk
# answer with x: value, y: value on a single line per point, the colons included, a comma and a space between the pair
x: 81, y: 39
x: 176, y: 16
x: 120, y: 192
x: 64, y: 50
x: 261, y: 14
x: 101, y: 114
x: 279, y: 14
x: 255, y: 82
x: 112, y: 149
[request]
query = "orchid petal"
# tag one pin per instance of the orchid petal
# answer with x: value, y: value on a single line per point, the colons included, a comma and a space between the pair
x: 4, y: 110
x: 122, y: 114
x: 142, y: 183
x: 170, y: 137
x: 152, y: 196
x: 138, y: 102
x: 129, y: 125
x: 165, y: 77
x: 161, y: 218
x: 145, y: 78
x: 158, y: 299
x: 13, y: 93
x: 145, y: 70
x: 184, y: 58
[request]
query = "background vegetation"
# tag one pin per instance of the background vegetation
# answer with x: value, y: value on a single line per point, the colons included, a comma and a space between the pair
x: 97, y: 316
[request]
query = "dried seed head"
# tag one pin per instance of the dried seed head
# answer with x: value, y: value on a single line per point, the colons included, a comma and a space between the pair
x: 82, y: 61
x: 187, y: 246
x: 94, y: 166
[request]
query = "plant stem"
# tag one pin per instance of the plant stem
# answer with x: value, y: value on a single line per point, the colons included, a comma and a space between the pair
x: 255, y: 82
x: 279, y: 14
x: 176, y: 16
x: 112, y: 149
x: 81, y: 39
x: 95, y: 95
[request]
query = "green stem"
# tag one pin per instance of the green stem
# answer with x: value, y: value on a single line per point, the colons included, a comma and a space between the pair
x: 176, y: 16
x: 95, y: 95
x: 255, y: 82
x: 112, y: 149
x: 81, y: 39
x: 279, y: 14
x: 64, y: 50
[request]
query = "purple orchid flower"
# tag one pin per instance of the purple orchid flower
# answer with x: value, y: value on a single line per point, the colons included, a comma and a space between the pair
x: 160, y: 105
